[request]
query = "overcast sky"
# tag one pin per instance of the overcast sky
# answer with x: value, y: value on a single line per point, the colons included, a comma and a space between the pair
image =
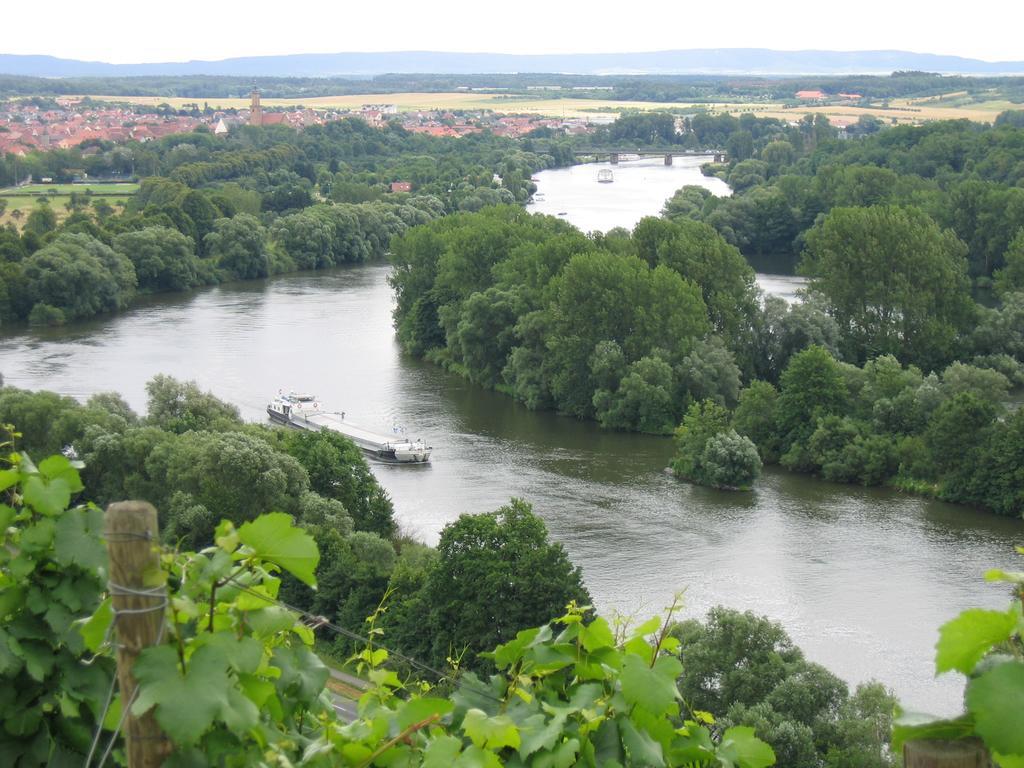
x: 145, y: 31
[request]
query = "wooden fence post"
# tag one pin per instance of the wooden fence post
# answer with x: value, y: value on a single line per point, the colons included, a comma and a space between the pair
x: 945, y: 754
x: 139, y: 601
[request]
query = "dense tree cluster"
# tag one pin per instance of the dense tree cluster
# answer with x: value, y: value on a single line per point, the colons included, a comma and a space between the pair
x: 624, y: 329
x: 746, y: 668
x: 964, y: 176
x: 948, y: 433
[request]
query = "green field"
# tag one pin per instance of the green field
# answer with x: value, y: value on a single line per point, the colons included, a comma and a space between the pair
x: 24, y: 199
x: 105, y: 190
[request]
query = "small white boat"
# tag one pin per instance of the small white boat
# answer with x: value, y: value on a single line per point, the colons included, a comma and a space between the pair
x: 303, y: 411
x: 605, y: 176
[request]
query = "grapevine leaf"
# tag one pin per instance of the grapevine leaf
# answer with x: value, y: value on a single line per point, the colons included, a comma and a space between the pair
x: 6, y: 514
x: 39, y: 536
x: 244, y: 654
x: 596, y: 635
x: 39, y: 658
x: 641, y: 748
x: 490, y: 732
x: 915, y: 726
x: 273, y: 538
x: 996, y: 699
x: 77, y: 539
x: 441, y: 752
x: 186, y: 705
x: 477, y: 757
x: 996, y: 574
x: 12, y: 597
x: 607, y: 745
x: 303, y: 675
x: 270, y: 621
x: 8, y: 477
x: 1009, y: 761
x: 58, y: 466
x: 240, y: 713
x: 417, y: 710
x: 565, y: 755
x: 94, y: 629
x: 967, y: 638
x: 47, y: 498
x: 653, y: 689
x: 743, y: 749
x: 537, y: 733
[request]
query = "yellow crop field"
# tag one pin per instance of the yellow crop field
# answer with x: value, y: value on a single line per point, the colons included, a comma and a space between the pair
x: 902, y: 111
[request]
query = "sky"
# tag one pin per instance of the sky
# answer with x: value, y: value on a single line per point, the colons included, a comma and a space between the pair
x: 117, y: 31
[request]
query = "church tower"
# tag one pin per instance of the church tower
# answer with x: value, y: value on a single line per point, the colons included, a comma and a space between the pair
x: 255, y: 110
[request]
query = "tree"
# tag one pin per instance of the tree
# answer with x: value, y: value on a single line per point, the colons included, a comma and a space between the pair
x: 1011, y: 277
x: 307, y: 238
x: 496, y: 574
x: 164, y: 259
x: 180, y: 406
x: 755, y: 418
x: 42, y: 219
x: 811, y: 387
x: 895, y: 282
x: 80, y: 276
x: 239, y: 247
x: 730, y: 460
x: 643, y: 400
x: 703, y: 421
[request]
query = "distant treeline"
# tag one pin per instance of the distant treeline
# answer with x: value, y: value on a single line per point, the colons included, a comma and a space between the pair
x: 256, y: 203
x: 669, y: 88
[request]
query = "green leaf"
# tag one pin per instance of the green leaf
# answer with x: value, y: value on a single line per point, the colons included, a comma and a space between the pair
x: 273, y: 538
x: 997, y: 574
x: 77, y: 540
x: 477, y: 757
x: 94, y: 629
x: 916, y: 726
x: 537, y: 732
x: 12, y: 597
x: 967, y: 638
x: 303, y: 675
x: 490, y: 732
x: 47, y: 498
x: 185, y: 705
x: 596, y: 634
x: 8, y: 477
x: 59, y: 467
x: 743, y: 749
x: 1009, y: 761
x: 641, y: 748
x: 38, y: 536
x: 653, y: 689
x: 270, y: 621
x: 417, y: 710
x: 6, y: 516
x: 441, y: 752
x: 996, y: 699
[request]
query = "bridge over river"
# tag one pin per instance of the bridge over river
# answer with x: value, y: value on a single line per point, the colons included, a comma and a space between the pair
x: 615, y: 153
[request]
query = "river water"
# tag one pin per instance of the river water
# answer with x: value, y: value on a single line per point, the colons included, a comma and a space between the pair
x: 640, y: 188
x: 860, y: 578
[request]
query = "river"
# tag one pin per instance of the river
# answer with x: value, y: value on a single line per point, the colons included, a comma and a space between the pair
x: 640, y: 188
x: 860, y: 578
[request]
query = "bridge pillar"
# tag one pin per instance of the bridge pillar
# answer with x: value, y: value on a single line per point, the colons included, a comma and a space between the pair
x: 614, y: 159
x: 668, y: 159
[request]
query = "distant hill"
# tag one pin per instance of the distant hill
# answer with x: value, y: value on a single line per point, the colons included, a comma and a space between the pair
x: 720, y: 61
